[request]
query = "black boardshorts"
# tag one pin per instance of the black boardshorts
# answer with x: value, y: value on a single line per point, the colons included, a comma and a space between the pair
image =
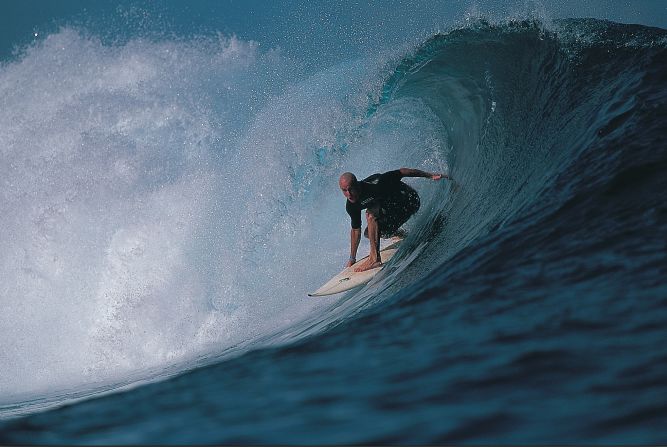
x: 392, y: 212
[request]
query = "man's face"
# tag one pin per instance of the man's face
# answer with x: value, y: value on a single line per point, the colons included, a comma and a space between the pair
x: 350, y: 190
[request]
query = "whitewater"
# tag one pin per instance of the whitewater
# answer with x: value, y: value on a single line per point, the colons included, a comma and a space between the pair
x: 168, y: 202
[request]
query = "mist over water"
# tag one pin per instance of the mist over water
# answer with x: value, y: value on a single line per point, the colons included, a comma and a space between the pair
x: 110, y: 170
x: 165, y: 199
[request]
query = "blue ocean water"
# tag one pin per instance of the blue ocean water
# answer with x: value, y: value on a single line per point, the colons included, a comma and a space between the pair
x: 170, y: 195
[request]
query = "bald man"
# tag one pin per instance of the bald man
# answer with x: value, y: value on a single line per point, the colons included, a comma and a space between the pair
x: 389, y: 203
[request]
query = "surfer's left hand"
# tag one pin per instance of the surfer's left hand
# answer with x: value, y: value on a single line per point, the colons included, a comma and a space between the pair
x: 439, y: 176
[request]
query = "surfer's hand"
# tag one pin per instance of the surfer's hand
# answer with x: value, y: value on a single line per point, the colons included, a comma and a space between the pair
x: 350, y: 262
x: 439, y: 176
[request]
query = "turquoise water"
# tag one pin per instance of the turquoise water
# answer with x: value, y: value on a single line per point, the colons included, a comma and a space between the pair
x: 170, y: 196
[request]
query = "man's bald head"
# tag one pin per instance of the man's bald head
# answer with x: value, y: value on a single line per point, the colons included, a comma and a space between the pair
x: 348, y: 184
x: 347, y: 178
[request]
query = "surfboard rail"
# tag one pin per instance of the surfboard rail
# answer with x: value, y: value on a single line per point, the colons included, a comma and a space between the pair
x: 348, y: 279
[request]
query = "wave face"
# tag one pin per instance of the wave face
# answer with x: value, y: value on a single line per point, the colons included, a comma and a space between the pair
x: 169, y: 204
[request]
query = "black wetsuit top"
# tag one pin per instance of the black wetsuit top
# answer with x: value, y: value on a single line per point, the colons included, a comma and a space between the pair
x: 386, y: 195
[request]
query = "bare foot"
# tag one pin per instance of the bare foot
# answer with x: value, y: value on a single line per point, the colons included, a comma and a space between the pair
x: 367, y: 265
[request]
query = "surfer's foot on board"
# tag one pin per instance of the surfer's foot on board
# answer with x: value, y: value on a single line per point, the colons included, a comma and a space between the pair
x: 367, y: 265
x: 399, y: 235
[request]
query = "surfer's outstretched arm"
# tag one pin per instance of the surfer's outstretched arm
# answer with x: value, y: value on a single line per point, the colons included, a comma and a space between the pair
x: 410, y: 172
x: 355, y: 237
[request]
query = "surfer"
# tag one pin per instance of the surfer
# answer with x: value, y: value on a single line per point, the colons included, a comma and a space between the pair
x: 389, y: 203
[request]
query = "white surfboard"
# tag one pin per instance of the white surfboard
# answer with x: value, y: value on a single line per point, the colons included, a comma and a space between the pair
x: 349, y: 279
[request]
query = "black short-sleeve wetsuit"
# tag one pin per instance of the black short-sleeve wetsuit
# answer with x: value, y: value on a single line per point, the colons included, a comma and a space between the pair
x: 391, y: 201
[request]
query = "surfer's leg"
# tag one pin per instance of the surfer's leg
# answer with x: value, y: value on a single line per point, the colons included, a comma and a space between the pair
x: 373, y: 228
x: 374, y: 240
x: 373, y: 236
